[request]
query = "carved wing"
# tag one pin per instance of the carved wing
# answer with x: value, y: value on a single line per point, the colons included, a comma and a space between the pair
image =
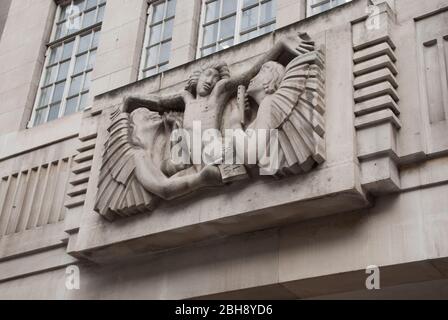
x: 119, y: 192
x: 297, y: 111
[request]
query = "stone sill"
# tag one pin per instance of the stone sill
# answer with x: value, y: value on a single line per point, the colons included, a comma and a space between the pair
x: 214, y: 214
x: 16, y: 143
x: 30, y: 241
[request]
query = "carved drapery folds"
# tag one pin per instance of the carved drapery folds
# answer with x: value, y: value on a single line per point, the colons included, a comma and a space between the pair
x: 281, y: 95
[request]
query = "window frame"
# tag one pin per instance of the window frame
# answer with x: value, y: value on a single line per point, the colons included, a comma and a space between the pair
x: 54, y: 42
x: 147, y: 34
x: 310, y: 7
x: 238, y: 33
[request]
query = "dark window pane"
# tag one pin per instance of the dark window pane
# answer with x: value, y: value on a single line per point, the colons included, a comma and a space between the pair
x: 158, y: 12
x: 165, y: 52
x: 212, y: 11
x: 55, y: 54
x: 168, y: 31
x: 45, y: 96
x: 63, y: 70
x: 267, y: 12
x: 210, y: 34
x: 226, y: 44
x: 207, y: 51
x: 155, y: 33
x: 249, y: 19
x: 50, y: 75
x: 96, y: 38
x: 61, y: 30
x: 75, y: 86
x: 84, y: 43
x: 86, y: 85
x: 58, y: 92
x: 92, y: 59
x: 151, y: 56
x: 171, y: 9
x: 54, y: 112
x: 90, y: 4
x: 228, y: 6
x: 80, y: 64
x: 68, y: 49
x: 84, y: 101
x: 89, y: 18
x: 40, y: 116
x: 227, y: 28
x: 71, y: 106
x: 64, y: 13
x: 100, y: 16
x: 247, y: 3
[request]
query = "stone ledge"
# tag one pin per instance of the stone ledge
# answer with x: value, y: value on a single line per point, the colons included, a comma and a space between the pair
x: 376, y: 118
x: 35, y: 263
x: 169, y: 226
x: 374, y: 52
x: 375, y: 77
x: 377, y: 104
x: 378, y: 90
x: 32, y: 240
x: 16, y: 143
x: 380, y: 176
x: 381, y: 62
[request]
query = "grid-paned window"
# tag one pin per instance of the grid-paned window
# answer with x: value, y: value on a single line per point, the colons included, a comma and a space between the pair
x: 229, y: 22
x: 318, y: 6
x: 65, y: 83
x: 159, y: 33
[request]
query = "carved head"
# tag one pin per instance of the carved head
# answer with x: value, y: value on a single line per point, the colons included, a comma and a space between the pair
x: 267, y: 81
x: 203, y: 81
x: 144, y: 124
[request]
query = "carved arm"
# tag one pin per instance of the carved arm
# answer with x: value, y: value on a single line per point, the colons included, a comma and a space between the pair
x: 161, y: 104
x: 285, y: 49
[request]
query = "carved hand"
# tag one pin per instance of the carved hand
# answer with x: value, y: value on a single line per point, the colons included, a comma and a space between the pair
x: 211, y: 176
x: 299, y: 45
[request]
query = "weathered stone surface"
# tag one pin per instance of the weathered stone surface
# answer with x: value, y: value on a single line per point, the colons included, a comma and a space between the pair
x: 384, y: 179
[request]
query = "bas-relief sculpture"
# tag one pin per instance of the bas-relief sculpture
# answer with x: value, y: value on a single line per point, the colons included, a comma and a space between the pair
x: 283, y: 90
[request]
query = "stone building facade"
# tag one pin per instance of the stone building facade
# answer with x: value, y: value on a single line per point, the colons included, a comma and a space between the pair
x: 377, y: 197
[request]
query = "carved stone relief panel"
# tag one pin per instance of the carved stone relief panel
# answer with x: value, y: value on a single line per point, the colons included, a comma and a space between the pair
x: 151, y: 149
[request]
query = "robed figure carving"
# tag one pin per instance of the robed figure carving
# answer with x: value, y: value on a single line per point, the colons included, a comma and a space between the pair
x: 282, y: 91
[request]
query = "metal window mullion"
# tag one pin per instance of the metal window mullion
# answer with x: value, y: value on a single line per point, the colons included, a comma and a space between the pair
x: 144, y: 54
x: 81, y: 91
x: 39, y: 91
x: 226, y: 39
x: 201, y: 30
x: 53, y: 87
x: 46, y: 63
x: 70, y: 71
x: 221, y: 5
x: 239, y: 16
x: 56, y: 18
x: 162, y: 32
x: 97, y: 8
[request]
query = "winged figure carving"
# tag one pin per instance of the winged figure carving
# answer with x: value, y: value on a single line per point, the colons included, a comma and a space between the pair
x: 283, y: 92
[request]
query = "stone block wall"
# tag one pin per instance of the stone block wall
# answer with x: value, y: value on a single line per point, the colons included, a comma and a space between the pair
x: 379, y: 199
